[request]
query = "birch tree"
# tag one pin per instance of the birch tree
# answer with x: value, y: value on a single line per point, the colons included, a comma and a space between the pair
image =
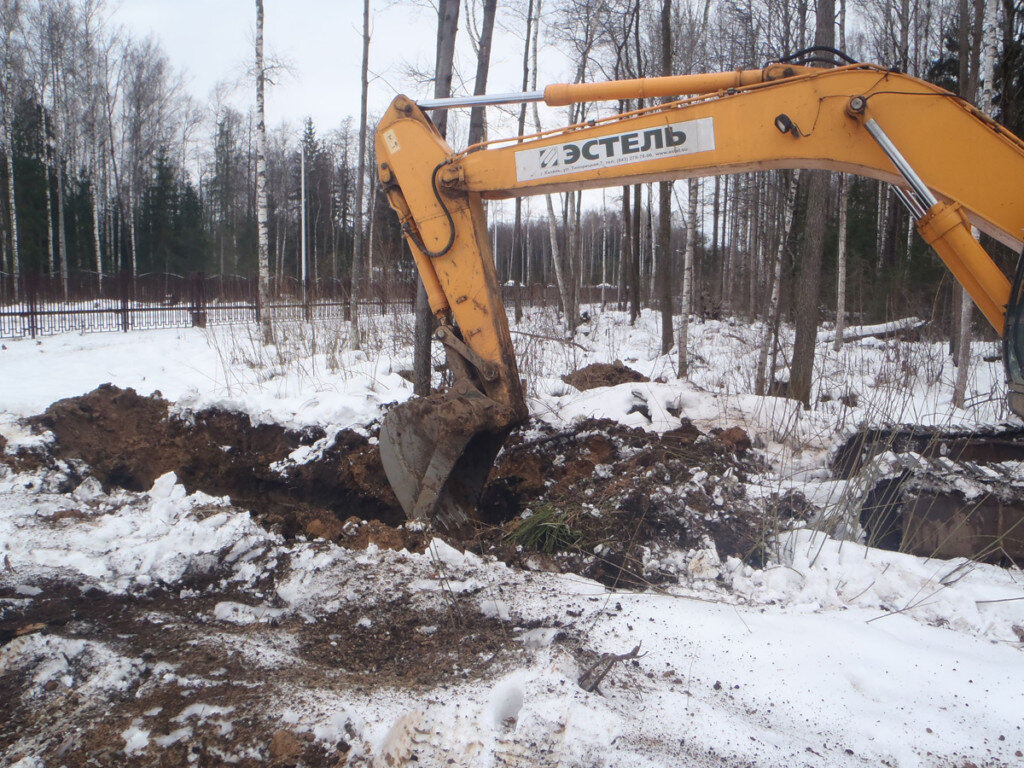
x: 664, y: 270
x: 808, y: 286
x: 263, y: 233
x: 10, y: 12
x: 686, y: 304
x: 765, y: 372
x: 844, y: 204
x: 557, y: 261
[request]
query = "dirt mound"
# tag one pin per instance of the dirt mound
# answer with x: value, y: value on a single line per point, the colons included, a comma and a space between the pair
x: 128, y: 440
x: 613, y: 503
x: 603, y: 375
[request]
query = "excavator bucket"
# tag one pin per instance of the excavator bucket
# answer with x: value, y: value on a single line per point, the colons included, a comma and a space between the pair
x: 437, y: 452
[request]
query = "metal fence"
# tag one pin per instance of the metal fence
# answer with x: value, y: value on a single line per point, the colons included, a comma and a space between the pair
x: 34, y: 304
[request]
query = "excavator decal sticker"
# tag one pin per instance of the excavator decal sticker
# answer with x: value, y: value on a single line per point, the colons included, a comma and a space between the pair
x: 617, y: 149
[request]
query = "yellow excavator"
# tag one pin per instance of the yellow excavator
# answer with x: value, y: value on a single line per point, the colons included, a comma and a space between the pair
x: 950, y: 165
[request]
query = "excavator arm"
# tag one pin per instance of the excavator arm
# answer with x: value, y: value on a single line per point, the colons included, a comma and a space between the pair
x: 950, y: 165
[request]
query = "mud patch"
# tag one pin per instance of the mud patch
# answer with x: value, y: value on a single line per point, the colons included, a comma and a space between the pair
x: 603, y: 375
x: 98, y: 668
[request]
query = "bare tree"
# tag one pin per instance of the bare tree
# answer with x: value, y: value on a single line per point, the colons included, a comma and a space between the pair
x: 9, y: 55
x: 357, y: 252
x: 447, y: 26
x: 263, y: 233
x: 765, y: 371
x: 557, y: 258
x: 664, y: 270
x: 844, y: 204
x: 686, y: 304
x: 808, y: 286
x: 518, y: 250
x: 986, y: 102
x: 477, y: 126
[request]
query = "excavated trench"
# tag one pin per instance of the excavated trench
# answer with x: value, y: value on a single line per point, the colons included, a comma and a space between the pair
x: 957, y: 493
x: 598, y: 498
x: 623, y: 493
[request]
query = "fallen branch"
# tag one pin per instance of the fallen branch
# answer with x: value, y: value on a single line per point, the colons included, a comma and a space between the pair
x: 592, y: 678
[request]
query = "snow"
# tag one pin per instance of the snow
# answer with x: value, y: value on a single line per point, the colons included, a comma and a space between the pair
x: 196, y: 368
x: 833, y: 654
x: 135, y: 739
x: 129, y: 541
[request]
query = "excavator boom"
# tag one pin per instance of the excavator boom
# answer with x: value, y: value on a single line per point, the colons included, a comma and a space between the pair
x: 951, y: 166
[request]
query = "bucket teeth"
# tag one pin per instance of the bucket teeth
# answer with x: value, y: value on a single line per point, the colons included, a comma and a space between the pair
x: 437, y: 452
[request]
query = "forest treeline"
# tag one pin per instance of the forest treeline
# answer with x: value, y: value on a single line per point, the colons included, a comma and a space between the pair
x: 109, y: 164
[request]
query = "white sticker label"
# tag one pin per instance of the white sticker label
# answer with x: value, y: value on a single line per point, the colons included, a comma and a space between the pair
x: 391, y: 140
x: 616, y: 149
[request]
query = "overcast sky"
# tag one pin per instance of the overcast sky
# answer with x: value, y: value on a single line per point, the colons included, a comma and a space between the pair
x: 211, y: 42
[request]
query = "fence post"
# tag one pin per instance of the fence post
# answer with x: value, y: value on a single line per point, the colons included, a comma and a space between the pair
x: 32, y: 301
x: 254, y: 287
x: 124, y: 280
x: 197, y: 298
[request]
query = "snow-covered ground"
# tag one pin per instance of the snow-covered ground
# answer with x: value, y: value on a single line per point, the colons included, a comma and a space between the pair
x: 833, y: 654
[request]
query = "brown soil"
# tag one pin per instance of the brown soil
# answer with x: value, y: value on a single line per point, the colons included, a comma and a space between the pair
x: 127, y: 441
x: 626, y: 497
x: 603, y: 375
x: 630, y: 493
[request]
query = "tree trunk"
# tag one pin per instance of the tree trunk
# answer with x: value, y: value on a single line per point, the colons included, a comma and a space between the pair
x: 765, y: 371
x: 963, y: 356
x: 562, y: 280
x: 664, y: 266
x: 483, y: 62
x: 986, y: 102
x: 634, y: 263
x: 263, y: 232
x: 447, y: 26
x: 62, y: 247
x: 96, y: 242
x: 11, y: 206
x: 808, y: 287
x: 357, y: 251
x: 693, y: 188
x: 132, y: 242
x: 626, y: 261
x: 518, y: 249
x: 48, y: 167
x: 844, y: 201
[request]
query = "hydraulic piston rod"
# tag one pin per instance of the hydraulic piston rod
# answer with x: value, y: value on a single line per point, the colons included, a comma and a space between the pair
x: 562, y: 94
x: 945, y: 228
x: 486, y: 100
x: 927, y: 199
